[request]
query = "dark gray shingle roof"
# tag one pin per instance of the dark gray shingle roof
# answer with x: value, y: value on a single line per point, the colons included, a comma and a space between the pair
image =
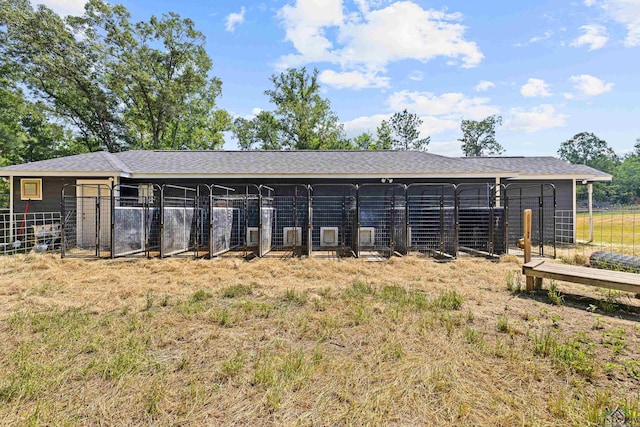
x: 538, y: 165
x: 296, y: 162
x: 303, y: 163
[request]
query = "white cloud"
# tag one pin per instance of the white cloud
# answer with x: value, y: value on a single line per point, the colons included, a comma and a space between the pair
x: 63, y: 7
x: 595, y: 36
x: 484, y: 85
x: 590, y: 85
x: 416, y: 76
x: 625, y: 12
x: 235, y: 19
x: 450, y: 105
x: 545, y: 36
x: 369, y: 39
x: 534, y: 119
x: 446, y: 148
x: 535, y: 88
x: 352, y: 79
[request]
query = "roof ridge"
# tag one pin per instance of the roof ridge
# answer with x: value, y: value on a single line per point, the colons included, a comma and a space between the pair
x: 115, y: 162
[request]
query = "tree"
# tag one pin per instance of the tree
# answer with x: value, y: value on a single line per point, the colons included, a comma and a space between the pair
x: 479, y: 137
x: 587, y: 149
x: 301, y: 120
x: 405, y: 134
x: 626, y: 180
x: 385, y: 137
x: 118, y: 85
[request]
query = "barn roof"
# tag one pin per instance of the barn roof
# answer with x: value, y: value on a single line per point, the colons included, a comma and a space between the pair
x: 293, y: 164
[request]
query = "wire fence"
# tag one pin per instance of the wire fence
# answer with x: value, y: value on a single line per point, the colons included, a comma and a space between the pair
x: 32, y: 231
x: 434, y: 219
x: 614, y: 230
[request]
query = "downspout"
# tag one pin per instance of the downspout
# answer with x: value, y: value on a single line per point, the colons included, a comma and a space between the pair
x: 11, y: 209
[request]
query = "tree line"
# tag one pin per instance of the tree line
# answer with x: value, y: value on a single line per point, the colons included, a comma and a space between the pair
x: 102, y: 82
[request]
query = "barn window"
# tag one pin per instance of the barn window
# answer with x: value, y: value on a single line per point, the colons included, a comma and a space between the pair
x: 31, y: 189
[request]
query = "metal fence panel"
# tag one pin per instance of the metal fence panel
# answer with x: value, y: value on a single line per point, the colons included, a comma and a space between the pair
x: 431, y: 219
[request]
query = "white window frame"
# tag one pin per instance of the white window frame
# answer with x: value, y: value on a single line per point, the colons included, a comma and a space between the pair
x: 37, y: 181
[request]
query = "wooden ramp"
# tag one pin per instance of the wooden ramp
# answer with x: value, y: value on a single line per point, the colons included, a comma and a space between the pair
x: 629, y: 282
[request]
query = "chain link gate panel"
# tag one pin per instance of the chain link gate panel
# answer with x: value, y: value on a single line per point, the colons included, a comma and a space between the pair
x: 481, y: 224
x: 86, y: 226
x: 431, y: 224
x: 541, y: 199
x: 333, y: 218
x: 381, y: 218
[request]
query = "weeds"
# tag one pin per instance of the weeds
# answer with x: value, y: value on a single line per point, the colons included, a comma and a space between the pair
x: 236, y: 291
x: 449, y: 300
x: 514, y: 282
x: 554, y: 296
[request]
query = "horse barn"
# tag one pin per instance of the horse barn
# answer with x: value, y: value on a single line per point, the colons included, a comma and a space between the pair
x: 297, y: 203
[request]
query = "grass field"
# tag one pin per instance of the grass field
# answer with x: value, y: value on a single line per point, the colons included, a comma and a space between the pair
x: 309, y: 342
x: 618, y: 227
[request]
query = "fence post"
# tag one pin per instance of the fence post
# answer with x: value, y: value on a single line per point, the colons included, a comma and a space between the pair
x: 526, y: 222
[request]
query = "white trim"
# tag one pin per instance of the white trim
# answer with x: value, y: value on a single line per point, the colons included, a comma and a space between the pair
x: 37, y: 181
x: 11, y: 208
x: 559, y: 176
x: 317, y: 175
x: 63, y: 173
x: 575, y: 215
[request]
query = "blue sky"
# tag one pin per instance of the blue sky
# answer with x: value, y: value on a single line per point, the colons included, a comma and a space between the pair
x: 551, y: 69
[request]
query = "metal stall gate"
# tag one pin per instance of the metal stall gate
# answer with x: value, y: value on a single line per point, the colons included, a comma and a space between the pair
x: 266, y: 218
x: 134, y: 209
x: 291, y: 219
x: 178, y: 221
x: 381, y: 219
x: 481, y: 224
x: 541, y: 199
x: 223, y: 219
x: 86, y: 220
x: 431, y: 220
x: 333, y: 218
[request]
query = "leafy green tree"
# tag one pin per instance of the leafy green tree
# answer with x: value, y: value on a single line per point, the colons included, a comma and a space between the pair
x: 587, y: 149
x: 626, y: 180
x: 479, y: 137
x: 405, y: 134
x: 364, y: 141
x: 119, y: 85
x: 301, y: 120
x: 385, y: 137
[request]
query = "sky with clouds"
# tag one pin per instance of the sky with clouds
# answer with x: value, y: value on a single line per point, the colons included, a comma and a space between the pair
x: 550, y: 68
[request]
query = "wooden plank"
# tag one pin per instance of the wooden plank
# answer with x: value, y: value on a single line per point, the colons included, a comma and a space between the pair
x: 623, y: 281
x: 533, y: 264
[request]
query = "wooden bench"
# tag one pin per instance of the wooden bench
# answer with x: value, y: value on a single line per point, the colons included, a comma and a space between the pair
x: 622, y: 281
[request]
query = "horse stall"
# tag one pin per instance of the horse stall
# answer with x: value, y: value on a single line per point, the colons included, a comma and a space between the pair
x: 481, y: 223
x: 431, y: 220
x: 334, y: 219
x: 381, y: 220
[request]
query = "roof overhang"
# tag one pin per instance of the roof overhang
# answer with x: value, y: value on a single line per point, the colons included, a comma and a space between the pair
x: 570, y: 177
x: 486, y: 175
x: 83, y: 174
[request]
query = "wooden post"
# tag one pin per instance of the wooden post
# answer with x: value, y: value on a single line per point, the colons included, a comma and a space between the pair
x: 526, y: 223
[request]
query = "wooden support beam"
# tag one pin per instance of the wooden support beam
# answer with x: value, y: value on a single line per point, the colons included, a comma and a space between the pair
x: 526, y: 222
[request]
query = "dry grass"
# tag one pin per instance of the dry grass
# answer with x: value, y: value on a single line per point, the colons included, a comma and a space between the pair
x: 307, y: 342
